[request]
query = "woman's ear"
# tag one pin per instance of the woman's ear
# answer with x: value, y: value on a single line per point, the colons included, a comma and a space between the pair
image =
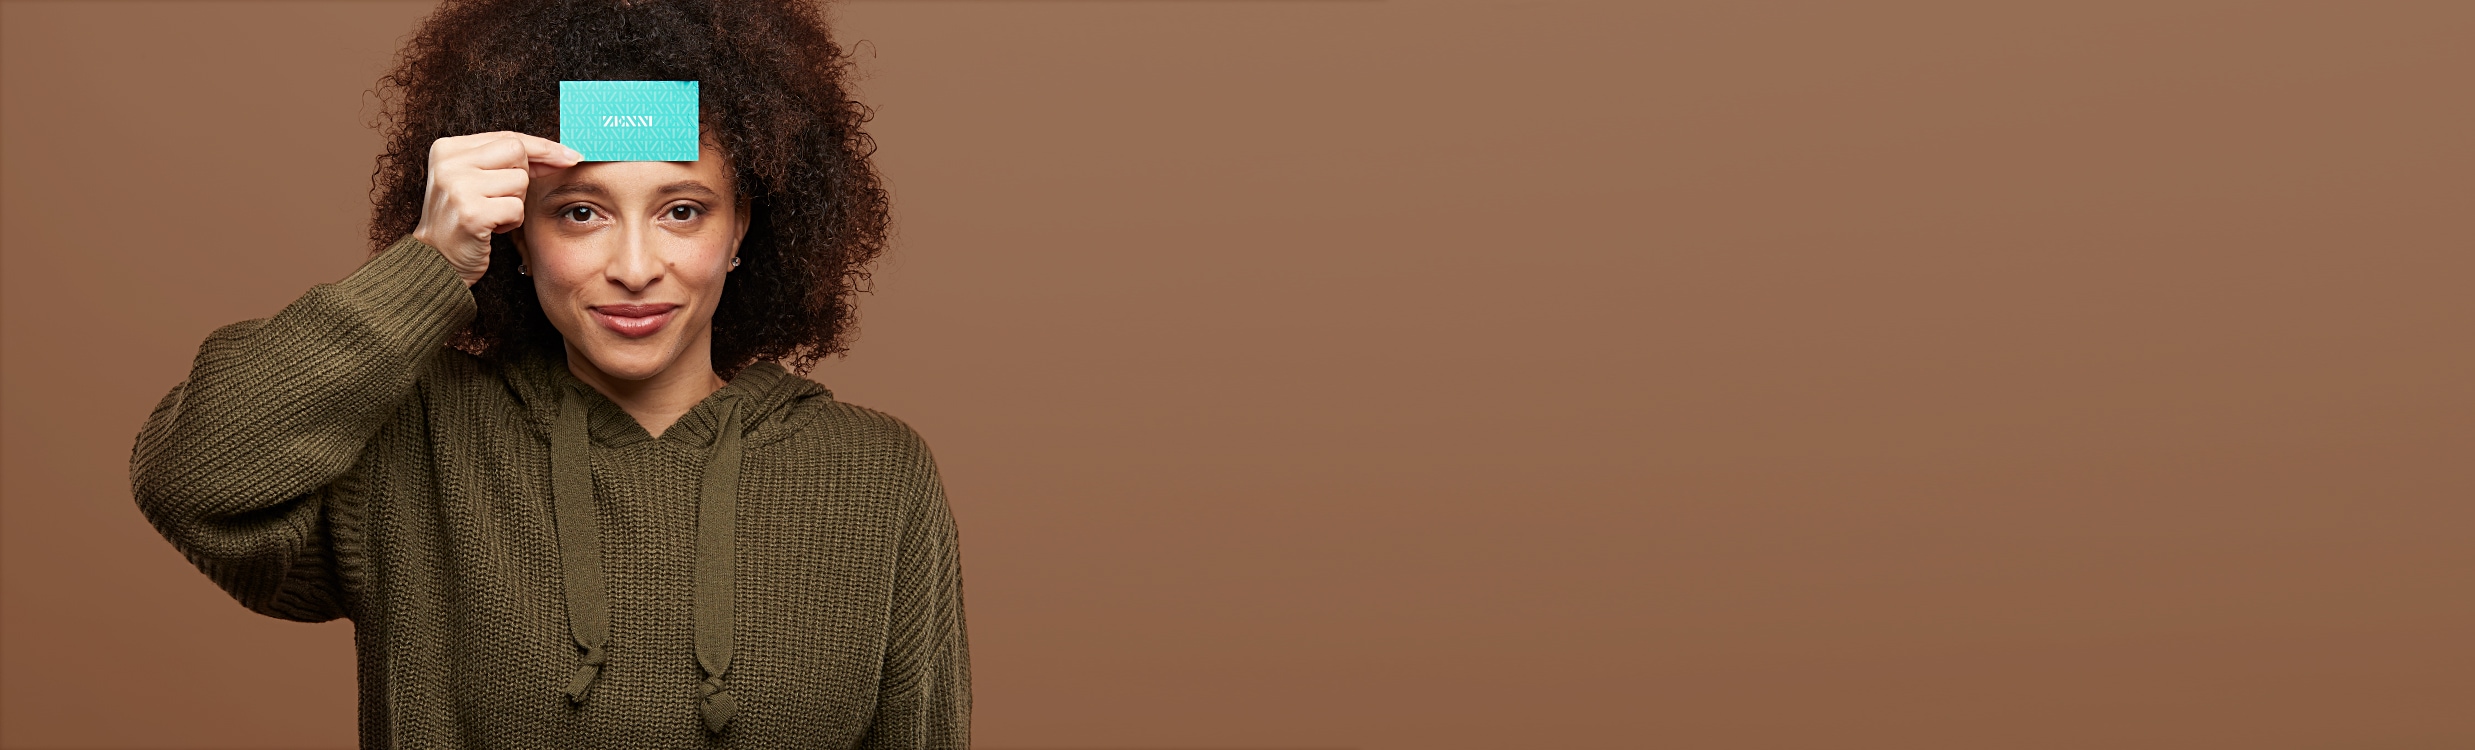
x: 524, y: 252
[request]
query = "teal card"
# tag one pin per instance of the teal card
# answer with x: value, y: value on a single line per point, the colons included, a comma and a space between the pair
x: 629, y: 120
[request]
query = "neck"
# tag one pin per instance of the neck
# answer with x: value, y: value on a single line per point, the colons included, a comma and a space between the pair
x: 658, y: 401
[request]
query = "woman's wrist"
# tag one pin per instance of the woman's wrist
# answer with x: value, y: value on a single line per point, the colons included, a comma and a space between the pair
x: 470, y: 276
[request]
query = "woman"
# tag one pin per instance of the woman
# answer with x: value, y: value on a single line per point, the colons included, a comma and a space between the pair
x: 543, y: 448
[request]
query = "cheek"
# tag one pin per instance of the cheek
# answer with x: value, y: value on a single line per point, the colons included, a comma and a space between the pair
x: 704, y: 261
x: 566, y: 253
x: 559, y: 265
x: 706, y: 280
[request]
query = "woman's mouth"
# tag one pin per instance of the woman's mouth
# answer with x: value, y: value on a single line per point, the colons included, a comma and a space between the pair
x: 634, y: 321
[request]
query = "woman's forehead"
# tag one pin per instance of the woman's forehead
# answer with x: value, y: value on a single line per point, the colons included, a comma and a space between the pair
x: 708, y: 177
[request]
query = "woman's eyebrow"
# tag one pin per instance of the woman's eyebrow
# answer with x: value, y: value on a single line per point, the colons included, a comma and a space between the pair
x: 691, y: 187
x: 575, y: 188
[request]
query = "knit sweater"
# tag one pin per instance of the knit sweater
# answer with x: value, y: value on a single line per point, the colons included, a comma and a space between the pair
x: 526, y: 567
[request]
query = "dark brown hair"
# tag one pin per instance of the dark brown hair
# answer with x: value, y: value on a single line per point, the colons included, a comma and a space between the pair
x: 773, y: 97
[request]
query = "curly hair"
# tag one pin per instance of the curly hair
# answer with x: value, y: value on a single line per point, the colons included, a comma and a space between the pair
x: 774, y: 100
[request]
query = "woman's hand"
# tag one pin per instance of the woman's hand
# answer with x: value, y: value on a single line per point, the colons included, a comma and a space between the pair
x: 476, y: 189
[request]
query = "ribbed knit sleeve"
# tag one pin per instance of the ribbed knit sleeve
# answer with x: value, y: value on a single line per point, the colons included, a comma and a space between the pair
x: 243, y: 466
x: 924, y: 700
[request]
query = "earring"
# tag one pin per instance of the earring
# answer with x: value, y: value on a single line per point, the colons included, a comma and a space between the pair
x: 734, y: 261
x: 522, y: 271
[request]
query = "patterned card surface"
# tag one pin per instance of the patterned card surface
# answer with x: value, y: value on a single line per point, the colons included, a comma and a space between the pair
x: 629, y: 120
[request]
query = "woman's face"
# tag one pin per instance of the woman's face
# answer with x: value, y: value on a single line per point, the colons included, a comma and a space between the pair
x: 629, y: 257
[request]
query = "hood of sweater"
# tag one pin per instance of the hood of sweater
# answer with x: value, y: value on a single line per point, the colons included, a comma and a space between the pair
x: 758, y: 405
x: 770, y: 398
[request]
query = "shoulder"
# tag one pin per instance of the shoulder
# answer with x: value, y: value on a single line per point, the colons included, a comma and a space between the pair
x: 858, y: 450
x: 851, y: 429
x: 893, y: 459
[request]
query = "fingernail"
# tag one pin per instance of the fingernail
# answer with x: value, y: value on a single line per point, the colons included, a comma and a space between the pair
x: 574, y: 154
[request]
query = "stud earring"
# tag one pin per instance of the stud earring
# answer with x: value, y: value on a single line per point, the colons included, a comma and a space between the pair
x: 522, y: 271
x: 734, y: 261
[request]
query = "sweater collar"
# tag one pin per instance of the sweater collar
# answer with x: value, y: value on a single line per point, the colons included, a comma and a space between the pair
x: 767, y: 395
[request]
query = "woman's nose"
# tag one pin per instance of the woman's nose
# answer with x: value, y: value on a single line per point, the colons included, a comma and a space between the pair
x: 637, y: 264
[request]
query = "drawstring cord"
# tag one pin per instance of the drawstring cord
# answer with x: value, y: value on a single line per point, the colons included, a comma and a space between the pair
x: 580, y: 544
x: 716, y: 535
x: 588, y: 599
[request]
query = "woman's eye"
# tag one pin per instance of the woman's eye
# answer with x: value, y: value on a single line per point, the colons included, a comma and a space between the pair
x: 682, y: 213
x: 580, y: 213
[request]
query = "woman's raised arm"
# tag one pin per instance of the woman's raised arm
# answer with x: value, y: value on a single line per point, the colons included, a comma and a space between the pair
x: 238, y: 465
x: 242, y: 465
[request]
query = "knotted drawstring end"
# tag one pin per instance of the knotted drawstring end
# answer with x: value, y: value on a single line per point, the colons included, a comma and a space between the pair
x: 716, y: 704
x: 716, y: 538
x: 587, y: 671
x: 580, y: 554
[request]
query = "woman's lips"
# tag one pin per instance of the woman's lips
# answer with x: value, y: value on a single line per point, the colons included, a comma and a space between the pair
x: 633, y: 321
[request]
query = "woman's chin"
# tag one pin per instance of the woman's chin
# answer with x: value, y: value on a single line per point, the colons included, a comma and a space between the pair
x: 630, y: 359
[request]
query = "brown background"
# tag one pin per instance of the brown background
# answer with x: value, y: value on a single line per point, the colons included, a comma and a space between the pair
x: 1437, y: 375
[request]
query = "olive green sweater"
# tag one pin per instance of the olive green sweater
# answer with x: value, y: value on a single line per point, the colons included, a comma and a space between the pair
x: 526, y: 567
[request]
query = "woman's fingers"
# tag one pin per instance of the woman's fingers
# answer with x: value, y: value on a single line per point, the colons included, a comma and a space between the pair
x: 530, y: 154
x: 481, y: 201
x: 492, y: 183
x: 473, y: 205
x: 546, y: 152
x: 476, y: 188
x: 501, y: 214
x: 511, y: 150
x: 549, y: 153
